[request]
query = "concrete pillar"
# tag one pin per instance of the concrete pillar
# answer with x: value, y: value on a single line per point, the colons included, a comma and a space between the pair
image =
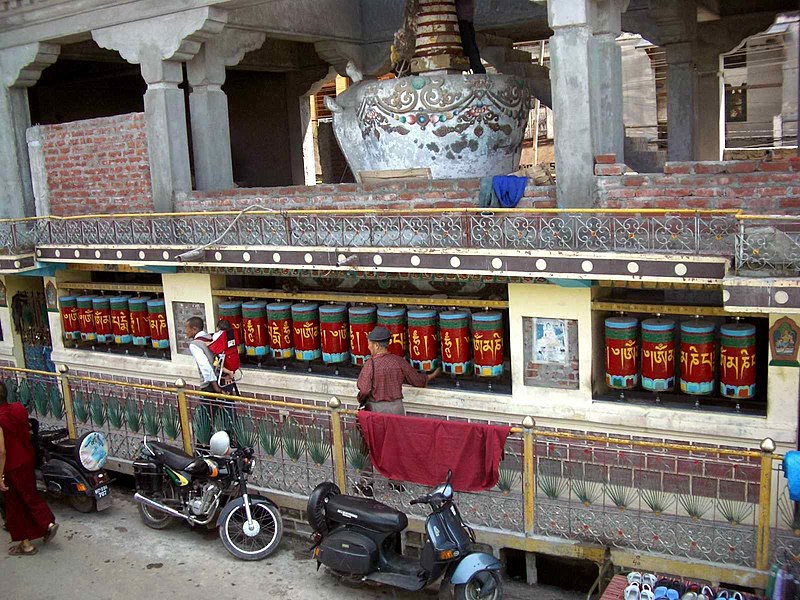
x: 789, y: 88
x: 710, y: 137
x: 208, y: 105
x: 606, y: 78
x: 570, y: 79
x: 20, y: 68
x: 681, y: 101
x: 159, y: 45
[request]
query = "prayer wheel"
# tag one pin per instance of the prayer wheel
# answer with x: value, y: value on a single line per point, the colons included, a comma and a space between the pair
x: 698, y: 349
x: 333, y: 330
x: 658, y: 354
x: 86, y: 318
x: 423, y: 342
x: 102, y: 319
x: 157, y: 319
x: 280, y: 329
x: 140, y: 323
x: 394, y: 319
x: 255, y: 331
x: 487, y: 343
x: 362, y: 322
x: 455, y: 340
x: 305, y: 319
x: 69, y: 317
x: 232, y: 313
x: 737, y: 358
x: 622, y: 372
x: 120, y: 320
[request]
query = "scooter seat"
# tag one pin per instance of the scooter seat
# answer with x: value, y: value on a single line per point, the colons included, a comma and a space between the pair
x: 366, y: 513
x: 178, y: 459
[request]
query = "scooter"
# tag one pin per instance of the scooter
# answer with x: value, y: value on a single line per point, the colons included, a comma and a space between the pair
x: 356, y: 537
x: 73, y: 469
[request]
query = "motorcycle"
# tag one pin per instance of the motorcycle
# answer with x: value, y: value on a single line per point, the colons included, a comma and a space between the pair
x: 357, y: 537
x: 72, y: 469
x: 171, y: 485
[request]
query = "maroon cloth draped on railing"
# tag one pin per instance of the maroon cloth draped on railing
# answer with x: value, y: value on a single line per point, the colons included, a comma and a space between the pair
x: 421, y: 450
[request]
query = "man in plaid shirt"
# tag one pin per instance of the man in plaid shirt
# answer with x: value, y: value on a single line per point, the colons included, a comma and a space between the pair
x: 380, y: 383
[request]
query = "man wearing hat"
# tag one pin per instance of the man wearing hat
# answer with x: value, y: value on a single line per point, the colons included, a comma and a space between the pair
x: 380, y: 383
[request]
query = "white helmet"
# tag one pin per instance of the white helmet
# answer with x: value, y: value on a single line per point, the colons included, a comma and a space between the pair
x: 220, y: 444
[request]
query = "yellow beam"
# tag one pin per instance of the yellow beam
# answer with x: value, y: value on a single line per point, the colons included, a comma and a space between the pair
x: 112, y: 287
x: 366, y: 298
x: 666, y: 309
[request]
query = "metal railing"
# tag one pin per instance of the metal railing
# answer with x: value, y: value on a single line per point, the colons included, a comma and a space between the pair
x: 768, y: 243
x: 688, y: 502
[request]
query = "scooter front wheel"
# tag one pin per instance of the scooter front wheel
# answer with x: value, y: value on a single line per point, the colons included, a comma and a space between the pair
x: 255, y: 540
x: 475, y: 588
x: 84, y: 504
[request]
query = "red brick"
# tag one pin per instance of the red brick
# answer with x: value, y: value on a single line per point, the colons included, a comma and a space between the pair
x: 604, y: 170
x: 775, y: 165
x: 605, y: 159
x: 706, y: 168
x: 741, y: 166
x: 633, y: 180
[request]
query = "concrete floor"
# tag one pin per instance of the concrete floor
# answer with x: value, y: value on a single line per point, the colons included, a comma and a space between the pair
x: 112, y: 555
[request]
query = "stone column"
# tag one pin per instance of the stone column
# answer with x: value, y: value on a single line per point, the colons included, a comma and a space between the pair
x: 20, y: 68
x: 681, y: 101
x: 606, y: 83
x: 300, y: 85
x: 208, y: 105
x: 710, y: 116
x: 570, y: 63
x: 789, y: 88
x: 159, y: 45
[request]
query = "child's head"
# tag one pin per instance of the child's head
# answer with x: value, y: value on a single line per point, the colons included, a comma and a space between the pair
x: 223, y: 325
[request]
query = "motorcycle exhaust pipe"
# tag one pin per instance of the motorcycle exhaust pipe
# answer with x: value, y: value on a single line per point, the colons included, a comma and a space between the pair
x: 158, y: 506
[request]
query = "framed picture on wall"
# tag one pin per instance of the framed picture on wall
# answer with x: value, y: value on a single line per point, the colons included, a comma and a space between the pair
x: 550, y: 341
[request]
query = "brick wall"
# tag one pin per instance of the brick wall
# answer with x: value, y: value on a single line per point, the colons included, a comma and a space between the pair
x: 97, y: 165
x: 768, y: 186
x: 411, y: 195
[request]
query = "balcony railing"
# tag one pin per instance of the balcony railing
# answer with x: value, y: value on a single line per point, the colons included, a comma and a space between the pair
x: 757, y: 242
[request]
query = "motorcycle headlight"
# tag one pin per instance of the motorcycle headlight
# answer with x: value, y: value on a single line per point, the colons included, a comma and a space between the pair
x: 92, y: 450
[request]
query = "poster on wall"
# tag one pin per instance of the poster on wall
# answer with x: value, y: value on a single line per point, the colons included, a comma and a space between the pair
x: 181, y: 311
x: 551, y: 344
x: 783, y: 343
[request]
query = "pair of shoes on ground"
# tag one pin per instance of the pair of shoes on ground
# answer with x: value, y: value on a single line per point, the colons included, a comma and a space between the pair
x: 640, y: 586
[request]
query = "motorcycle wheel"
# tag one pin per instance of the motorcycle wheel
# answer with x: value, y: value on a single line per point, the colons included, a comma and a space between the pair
x: 155, y: 519
x: 255, y: 546
x: 83, y: 504
x: 472, y: 589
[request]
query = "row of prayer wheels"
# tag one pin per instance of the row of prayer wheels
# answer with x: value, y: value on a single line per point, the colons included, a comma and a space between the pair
x: 140, y: 320
x: 338, y: 334
x: 698, y: 354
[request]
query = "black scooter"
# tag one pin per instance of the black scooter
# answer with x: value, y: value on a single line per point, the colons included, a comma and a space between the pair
x: 72, y: 468
x: 357, y: 537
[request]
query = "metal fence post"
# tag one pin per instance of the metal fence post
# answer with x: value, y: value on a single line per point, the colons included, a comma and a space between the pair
x: 66, y: 394
x: 764, y: 505
x: 183, y: 413
x: 339, y: 466
x: 529, y: 476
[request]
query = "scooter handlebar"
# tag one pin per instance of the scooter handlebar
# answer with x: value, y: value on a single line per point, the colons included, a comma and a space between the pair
x: 421, y: 500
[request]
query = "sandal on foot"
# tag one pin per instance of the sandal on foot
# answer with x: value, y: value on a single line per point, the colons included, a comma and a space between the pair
x: 18, y: 551
x: 52, y: 529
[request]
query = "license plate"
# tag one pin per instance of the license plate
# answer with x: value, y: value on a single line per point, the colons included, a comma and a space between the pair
x: 101, y: 492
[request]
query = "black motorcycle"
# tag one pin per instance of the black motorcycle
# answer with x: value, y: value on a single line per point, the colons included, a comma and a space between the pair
x: 357, y: 537
x: 72, y: 469
x: 172, y: 485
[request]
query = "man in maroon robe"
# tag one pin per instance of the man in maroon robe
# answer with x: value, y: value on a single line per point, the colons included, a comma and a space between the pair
x: 27, y: 516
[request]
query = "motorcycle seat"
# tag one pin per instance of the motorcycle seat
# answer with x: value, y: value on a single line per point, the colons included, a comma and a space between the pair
x: 178, y: 459
x: 366, y: 512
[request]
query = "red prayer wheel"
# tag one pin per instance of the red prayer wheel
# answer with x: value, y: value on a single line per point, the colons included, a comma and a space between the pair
x: 157, y: 319
x: 120, y: 320
x: 622, y: 372
x: 737, y: 358
x: 101, y: 307
x: 70, y: 321
x: 333, y: 331
x: 698, y: 351
x: 255, y: 328
x: 423, y: 339
x: 140, y: 323
x: 394, y: 319
x: 362, y: 322
x: 487, y: 343
x: 232, y: 313
x: 305, y: 330
x: 455, y: 340
x: 86, y: 318
x: 279, y: 315
x: 658, y: 355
